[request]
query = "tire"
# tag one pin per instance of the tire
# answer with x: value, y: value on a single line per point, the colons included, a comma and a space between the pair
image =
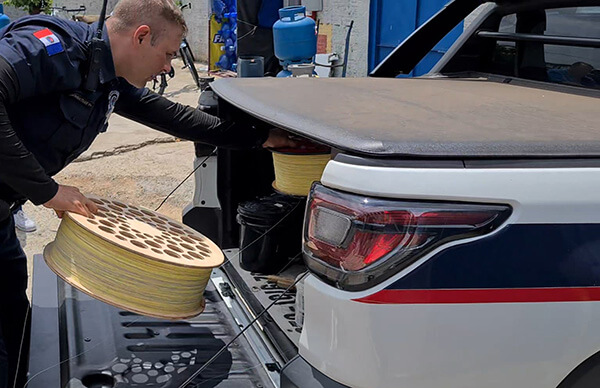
x: 188, y: 59
x: 163, y: 84
x: 184, y: 57
x: 586, y: 375
x: 190, y: 51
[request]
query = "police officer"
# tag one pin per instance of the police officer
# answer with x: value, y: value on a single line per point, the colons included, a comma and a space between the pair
x: 47, y: 119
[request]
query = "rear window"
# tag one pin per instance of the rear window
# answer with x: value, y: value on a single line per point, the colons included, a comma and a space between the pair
x: 566, y: 63
x: 559, y: 45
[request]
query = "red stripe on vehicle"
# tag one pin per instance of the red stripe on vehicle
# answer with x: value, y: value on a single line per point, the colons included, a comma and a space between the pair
x: 504, y: 295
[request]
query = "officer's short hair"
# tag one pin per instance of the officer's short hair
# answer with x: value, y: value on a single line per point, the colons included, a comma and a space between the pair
x: 134, y: 13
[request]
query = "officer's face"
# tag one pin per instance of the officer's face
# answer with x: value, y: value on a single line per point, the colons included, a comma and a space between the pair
x: 155, y: 57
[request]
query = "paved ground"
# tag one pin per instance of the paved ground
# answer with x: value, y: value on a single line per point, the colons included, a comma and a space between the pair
x: 129, y: 162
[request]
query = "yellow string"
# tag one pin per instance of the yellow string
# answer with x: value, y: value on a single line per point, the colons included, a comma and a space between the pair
x: 125, y: 279
x: 295, y: 173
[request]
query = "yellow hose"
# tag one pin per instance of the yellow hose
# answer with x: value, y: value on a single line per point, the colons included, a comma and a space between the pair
x: 295, y: 173
x: 134, y: 259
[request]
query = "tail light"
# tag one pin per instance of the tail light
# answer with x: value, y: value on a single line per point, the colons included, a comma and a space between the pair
x: 355, y: 241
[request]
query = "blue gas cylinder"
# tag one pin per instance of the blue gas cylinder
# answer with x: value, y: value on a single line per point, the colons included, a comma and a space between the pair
x: 4, y: 20
x: 284, y: 74
x: 294, y: 36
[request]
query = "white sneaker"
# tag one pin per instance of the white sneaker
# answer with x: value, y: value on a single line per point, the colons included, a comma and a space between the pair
x: 24, y: 223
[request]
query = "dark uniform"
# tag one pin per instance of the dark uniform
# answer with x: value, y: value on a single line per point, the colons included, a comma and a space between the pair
x: 47, y: 120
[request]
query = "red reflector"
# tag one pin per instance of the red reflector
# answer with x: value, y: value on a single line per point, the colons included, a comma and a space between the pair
x: 454, y: 218
x: 383, y: 245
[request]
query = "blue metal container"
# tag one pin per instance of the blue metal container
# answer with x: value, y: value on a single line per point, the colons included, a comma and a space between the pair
x: 294, y: 36
x: 4, y: 20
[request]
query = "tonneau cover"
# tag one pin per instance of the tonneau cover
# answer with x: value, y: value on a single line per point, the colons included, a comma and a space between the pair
x: 424, y: 118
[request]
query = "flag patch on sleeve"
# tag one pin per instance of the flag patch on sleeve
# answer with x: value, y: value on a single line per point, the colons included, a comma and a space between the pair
x: 51, y: 41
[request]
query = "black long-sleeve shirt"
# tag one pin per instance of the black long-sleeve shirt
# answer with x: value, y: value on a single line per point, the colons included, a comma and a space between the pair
x: 47, y: 119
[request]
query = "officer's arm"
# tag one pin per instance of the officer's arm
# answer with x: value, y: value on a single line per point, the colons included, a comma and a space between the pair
x: 186, y: 122
x: 18, y: 167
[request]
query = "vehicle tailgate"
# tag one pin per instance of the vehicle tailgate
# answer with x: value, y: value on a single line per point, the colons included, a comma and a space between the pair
x: 78, y: 341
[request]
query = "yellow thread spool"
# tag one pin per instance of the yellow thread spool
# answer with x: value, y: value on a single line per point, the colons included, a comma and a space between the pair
x: 135, y: 259
x: 296, y: 170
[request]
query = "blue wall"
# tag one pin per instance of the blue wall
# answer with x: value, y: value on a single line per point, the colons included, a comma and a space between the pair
x: 392, y: 21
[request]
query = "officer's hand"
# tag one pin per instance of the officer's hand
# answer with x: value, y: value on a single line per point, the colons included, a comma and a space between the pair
x: 279, y: 138
x: 69, y: 198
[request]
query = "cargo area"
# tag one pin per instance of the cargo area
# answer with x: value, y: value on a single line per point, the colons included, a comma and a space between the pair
x: 79, y: 341
x: 82, y: 342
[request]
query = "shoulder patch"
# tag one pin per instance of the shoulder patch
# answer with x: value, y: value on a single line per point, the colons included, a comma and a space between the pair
x: 113, y: 96
x: 50, y: 41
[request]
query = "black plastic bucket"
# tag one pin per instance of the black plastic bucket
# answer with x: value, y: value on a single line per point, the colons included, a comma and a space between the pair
x: 251, y: 66
x: 271, y: 232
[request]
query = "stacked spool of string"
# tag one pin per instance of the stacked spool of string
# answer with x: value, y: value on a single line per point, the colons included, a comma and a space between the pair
x: 135, y: 259
x: 297, y: 168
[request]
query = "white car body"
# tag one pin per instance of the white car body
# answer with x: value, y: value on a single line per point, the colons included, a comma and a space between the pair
x: 465, y: 343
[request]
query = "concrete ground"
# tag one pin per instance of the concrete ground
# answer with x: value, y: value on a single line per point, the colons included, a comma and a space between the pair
x: 129, y: 162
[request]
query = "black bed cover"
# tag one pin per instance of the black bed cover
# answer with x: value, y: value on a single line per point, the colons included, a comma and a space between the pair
x: 424, y: 117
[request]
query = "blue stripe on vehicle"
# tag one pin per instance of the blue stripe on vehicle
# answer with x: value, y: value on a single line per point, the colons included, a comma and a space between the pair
x: 519, y: 256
